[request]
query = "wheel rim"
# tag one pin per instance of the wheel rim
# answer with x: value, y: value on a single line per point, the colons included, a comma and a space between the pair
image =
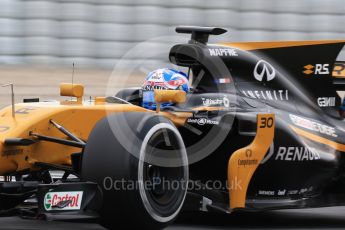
x: 162, y: 189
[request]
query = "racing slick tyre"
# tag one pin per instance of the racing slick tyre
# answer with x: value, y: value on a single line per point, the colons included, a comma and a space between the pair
x: 136, y: 158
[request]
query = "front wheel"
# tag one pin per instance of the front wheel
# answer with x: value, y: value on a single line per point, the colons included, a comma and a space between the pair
x: 140, y: 162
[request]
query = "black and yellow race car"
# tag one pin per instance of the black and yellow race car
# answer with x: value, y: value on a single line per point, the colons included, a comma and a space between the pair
x: 261, y: 128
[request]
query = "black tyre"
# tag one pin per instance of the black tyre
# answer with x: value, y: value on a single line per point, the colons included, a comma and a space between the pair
x: 140, y: 162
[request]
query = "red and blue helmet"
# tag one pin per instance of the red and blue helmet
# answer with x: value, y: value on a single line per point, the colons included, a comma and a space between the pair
x: 166, y: 79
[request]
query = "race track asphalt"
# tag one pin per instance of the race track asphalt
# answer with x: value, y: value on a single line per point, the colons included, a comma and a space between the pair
x: 322, y: 218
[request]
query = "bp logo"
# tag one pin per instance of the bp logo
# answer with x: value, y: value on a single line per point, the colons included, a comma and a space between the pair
x: 63, y: 200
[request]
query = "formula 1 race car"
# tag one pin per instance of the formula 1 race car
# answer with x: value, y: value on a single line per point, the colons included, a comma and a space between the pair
x: 261, y: 128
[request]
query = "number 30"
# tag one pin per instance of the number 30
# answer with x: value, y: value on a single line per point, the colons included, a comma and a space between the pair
x: 266, y: 122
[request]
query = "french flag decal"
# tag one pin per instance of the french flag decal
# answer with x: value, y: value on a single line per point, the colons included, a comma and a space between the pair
x: 224, y: 80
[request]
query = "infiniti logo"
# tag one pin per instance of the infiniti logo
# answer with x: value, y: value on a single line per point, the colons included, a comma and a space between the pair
x: 263, y: 70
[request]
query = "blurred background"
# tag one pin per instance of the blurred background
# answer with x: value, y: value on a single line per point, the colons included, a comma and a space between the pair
x: 40, y: 40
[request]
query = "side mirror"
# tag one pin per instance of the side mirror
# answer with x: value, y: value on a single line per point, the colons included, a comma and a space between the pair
x: 171, y: 96
x: 72, y: 90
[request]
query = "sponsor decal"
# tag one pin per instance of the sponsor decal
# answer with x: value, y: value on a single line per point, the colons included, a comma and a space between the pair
x: 4, y: 128
x: 308, y: 69
x: 266, y: 193
x: 176, y: 82
x: 303, y: 190
x: 270, y: 95
x: 25, y: 110
x: 248, y: 161
x: 306, y: 190
x: 12, y: 152
x: 339, y: 70
x: 326, y: 101
x: 53, y: 199
x: 292, y: 192
x: 223, y: 52
x: 158, y: 76
x: 249, y: 153
x: 317, y: 69
x: 300, y: 191
x: 202, y: 121
x: 157, y: 81
x: 313, y: 126
x: 224, y: 80
x: 264, y: 71
x: 150, y: 86
x: 216, y: 102
x: 281, y: 192
x: 297, y: 154
x: 285, y: 192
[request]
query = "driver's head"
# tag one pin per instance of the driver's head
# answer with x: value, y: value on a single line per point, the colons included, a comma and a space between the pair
x: 167, y: 79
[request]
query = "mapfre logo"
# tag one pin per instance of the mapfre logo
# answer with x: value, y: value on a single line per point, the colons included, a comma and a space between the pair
x: 223, y: 52
x: 264, y: 71
x: 317, y: 69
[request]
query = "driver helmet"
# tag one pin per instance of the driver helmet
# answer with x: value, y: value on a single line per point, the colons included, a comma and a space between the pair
x: 165, y: 79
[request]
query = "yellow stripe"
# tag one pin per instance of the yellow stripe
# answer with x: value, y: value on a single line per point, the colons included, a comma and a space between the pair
x: 316, y: 138
x: 278, y: 44
x: 244, y: 162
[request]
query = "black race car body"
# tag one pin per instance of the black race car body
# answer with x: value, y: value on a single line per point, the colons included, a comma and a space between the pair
x: 295, y: 81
